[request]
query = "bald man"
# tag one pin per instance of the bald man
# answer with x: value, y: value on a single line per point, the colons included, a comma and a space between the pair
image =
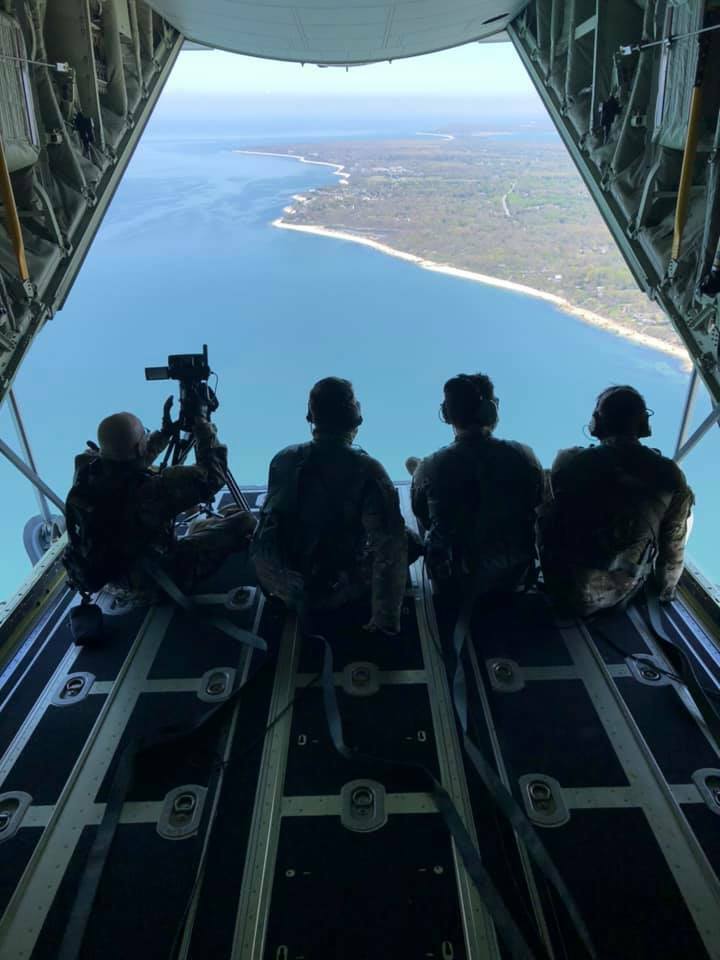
x: 121, y: 510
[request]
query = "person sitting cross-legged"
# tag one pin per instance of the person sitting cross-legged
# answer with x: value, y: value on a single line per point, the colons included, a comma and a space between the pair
x: 330, y: 529
x: 476, y: 497
x: 617, y: 515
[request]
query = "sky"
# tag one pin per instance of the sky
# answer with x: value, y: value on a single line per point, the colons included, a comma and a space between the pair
x: 489, y: 70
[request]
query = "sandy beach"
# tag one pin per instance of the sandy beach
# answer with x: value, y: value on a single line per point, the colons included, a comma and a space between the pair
x: 442, y: 136
x: 587, y: 316
x: 337, y: 168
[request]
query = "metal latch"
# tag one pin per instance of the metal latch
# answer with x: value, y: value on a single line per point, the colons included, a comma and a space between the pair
x: 240, y: 598
x: 505, y: 675
x: 361, y: 679
x: 707, y: 781
x: 74, y: 688
x: 216, y: 684
x: 544, y: 801
x: 13, y: 807
x: 363, y: 806
x: 648, y: 670
x: 181, y: 812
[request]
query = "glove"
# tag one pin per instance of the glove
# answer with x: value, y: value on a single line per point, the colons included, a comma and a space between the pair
x: 167, y: 422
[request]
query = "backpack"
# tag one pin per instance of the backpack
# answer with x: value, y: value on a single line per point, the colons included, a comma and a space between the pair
x: 99, y: 550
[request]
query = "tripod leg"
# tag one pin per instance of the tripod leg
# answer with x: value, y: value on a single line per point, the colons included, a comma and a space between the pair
x: 177, y: 454
x: 181, y: 449
x: 235, y: 491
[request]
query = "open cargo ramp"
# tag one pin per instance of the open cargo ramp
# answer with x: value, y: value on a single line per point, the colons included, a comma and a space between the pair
x: 253, y: 837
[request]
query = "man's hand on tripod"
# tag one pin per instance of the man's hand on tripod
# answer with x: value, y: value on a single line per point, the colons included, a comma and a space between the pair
x: 168, y: 425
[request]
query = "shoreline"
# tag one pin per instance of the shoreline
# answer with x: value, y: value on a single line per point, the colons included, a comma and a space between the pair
x: 443, y: 136
x: 338, y: 168
x: 676, y: 351
x: 587, y: 316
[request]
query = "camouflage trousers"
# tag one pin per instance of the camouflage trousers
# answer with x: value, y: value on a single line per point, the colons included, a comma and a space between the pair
x: 208, y: 543
x: 347, y: 585
x: 289, y: 586
x: 583, y: 592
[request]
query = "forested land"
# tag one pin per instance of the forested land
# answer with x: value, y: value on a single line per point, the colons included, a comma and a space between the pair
x: 512, y: 206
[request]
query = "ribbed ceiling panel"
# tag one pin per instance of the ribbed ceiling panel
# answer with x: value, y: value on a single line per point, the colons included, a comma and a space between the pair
x: 337, y: 31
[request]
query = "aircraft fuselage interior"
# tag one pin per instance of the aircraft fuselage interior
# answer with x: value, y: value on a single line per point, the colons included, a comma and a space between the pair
x: 214, y: 780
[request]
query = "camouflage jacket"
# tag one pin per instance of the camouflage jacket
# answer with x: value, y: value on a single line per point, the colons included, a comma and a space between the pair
x: 615, y: 508
x: 155, y: 497
x: 330, y: 528
x: 476, y: 500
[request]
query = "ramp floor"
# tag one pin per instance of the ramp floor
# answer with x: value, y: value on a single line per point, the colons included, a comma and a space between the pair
x: 255, y: 838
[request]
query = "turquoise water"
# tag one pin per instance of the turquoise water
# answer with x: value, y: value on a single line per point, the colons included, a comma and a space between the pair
x: 187, y: 255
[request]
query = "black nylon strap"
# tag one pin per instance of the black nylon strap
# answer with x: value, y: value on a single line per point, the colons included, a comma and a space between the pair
x: 332, y: 710
x: 683, y: 663
x: 168, y: 585
x: 499, y: 793
x: 119, y: 786
x: 640, y: 570
x: 506, y: 926
x: 97, y: 857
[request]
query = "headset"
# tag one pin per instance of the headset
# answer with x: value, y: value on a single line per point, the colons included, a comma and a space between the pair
x: 597, y: 427
x: 349, y: 412
x: 487, y: 413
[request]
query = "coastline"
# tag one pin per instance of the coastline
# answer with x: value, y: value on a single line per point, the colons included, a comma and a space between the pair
x: 676, y: 351
x: 587, y: 316
x: 338, y: 169
x: 442, y: 136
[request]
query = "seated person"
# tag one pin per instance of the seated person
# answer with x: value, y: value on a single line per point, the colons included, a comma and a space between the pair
x: 121, y: 511
x: 476, y: 498
x: 617, y: 512
x: 330, y: 529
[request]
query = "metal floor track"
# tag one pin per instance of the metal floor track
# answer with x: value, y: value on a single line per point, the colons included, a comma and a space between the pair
x: 256, y: 840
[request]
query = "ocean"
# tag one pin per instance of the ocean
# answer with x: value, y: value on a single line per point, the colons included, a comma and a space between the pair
x: 187, y: 256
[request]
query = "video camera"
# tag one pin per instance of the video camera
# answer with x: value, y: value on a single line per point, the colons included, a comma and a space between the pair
x: 192, y: 371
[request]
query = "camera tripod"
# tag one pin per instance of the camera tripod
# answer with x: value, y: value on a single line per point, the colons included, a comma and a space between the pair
x: 176, y: 454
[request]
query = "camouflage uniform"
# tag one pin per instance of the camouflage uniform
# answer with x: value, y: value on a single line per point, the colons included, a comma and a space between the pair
x: 476, y: 500
x: 618, y: 509
x: 331, y: 530
x: 149, y: 511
